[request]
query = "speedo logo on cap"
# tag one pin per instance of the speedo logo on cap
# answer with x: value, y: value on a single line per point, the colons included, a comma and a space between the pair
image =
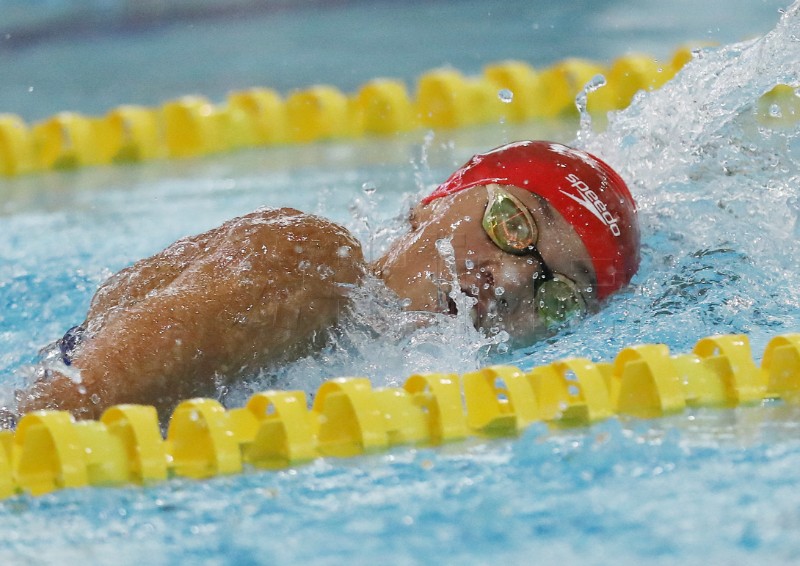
x: 588, y: 199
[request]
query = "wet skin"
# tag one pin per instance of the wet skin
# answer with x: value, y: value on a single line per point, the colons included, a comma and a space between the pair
x: 264, y: 288
x: 259, y: 289
x: 503, y: 284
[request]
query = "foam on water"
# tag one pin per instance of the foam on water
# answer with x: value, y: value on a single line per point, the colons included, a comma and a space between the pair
x: 718, y: 191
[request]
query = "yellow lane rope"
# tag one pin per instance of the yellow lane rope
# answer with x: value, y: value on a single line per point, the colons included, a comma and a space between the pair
x: 192, y: 126
x: 49, y: 450
x: 444, y: 98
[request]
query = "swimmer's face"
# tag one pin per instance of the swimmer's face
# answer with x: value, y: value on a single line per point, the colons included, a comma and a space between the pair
x: 504, y: 282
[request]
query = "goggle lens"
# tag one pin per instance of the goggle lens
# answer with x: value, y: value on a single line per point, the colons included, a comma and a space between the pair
x: 558, y: 300
x: 508, y: 223
x: 511, y: 227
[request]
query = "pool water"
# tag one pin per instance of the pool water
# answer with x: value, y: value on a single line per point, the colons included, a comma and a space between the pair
x: 716, y: 177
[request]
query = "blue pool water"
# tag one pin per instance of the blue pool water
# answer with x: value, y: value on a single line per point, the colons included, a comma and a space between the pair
x: 719, y: 198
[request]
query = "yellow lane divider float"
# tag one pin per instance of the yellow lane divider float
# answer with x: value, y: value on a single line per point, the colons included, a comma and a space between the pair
x: 49, y: 450
x: 193, y: 126
x: 445, y: 98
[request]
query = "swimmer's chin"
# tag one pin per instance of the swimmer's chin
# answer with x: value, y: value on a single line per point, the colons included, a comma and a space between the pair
x: 495, y: 322
x: 485, y: 316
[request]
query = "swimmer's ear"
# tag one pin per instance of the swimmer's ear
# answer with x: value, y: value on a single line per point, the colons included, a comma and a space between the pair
x: 413, y: 218
x: 419, y: 215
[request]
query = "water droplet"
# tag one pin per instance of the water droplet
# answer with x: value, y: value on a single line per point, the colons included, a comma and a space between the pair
x: 498, y: 291
x: 95, y: 399
x: 303, y: 265
x: 369, y: 188
x: 582, y: 103
x: 505, y: 95
x: 444, y: 246
x: 596, y: 82
x: 775, y: 111
x: 573, y: 390
x: 405, y: 303
x: 469, y: 264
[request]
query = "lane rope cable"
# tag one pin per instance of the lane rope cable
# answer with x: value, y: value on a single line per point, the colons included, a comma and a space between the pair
x: 50, y: 450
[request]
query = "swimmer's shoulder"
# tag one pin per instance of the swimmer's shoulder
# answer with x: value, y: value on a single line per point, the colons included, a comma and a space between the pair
x: 296, y: 225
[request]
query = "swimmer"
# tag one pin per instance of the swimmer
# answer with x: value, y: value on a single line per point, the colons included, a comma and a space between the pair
x: 541, y: 233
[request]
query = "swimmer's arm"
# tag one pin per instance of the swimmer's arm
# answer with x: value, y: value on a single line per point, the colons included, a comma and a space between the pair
x: 133, y: 283
x: 269, y: 284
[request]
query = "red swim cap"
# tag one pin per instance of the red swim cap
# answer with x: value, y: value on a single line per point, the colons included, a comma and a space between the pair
x: 587, y: 192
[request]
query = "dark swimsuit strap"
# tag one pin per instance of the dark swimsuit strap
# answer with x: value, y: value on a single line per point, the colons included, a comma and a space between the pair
x: 72, y: 338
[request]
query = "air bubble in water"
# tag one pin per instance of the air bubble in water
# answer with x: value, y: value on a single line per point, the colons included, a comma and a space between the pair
x: 498, y: 291
x: 505, y: 95
x: 775, y: 111
x: 369, y: 188
x: 469, y: 264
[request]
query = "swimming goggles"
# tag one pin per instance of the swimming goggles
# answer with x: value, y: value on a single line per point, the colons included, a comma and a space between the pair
x: 511, y: 227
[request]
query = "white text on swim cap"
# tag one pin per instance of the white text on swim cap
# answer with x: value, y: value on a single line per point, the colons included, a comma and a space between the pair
x: 591, y: 202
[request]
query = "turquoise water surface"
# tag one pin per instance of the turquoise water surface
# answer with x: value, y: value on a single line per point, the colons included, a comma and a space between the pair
x: 717, y: 186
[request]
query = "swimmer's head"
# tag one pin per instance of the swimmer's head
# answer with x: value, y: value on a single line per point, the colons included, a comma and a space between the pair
x: 590, y: 195
x: 540, y: 231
